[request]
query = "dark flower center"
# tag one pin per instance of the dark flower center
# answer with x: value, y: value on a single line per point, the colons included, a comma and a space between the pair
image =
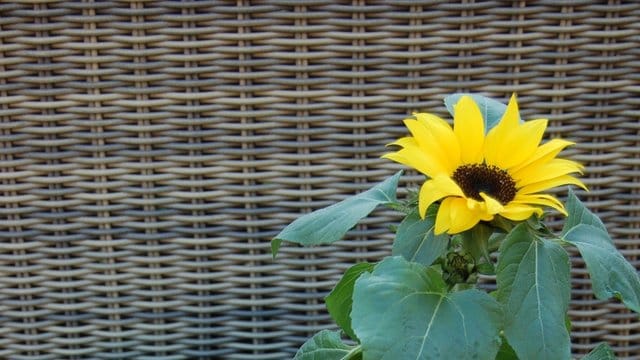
x: 491, y: 180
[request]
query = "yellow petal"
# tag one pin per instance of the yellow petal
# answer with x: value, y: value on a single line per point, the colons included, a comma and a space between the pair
x: 413, y: 156
x: 468, y: 126
x: 493, y: 144
x: 480, y: 208
x: 520, y: 144
x: 546, y: 171
x: 540, y: 199
x: 492, y: 205
x: 419, y: 132
x: 551, y: 183
x: 404, y: 142
x: 510, y: 143
x: 531, y: 198
x: 457, y: 214
x: 432, y: 120
x: 518, y: 212
x: 443, y: 218
x: 430, y: 142
x: 434, y: 190
x: 443, y: 142
x: 462, y: 217
x: 543, y: 154
x: 511, y: 116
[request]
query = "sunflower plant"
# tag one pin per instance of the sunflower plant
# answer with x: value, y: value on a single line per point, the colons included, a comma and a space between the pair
x: 480, y: 211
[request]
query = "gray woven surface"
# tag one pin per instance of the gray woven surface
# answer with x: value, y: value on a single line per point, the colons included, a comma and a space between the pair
x: 150, y: 150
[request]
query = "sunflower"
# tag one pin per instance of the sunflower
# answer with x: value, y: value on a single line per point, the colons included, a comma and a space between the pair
x: 478, y: 176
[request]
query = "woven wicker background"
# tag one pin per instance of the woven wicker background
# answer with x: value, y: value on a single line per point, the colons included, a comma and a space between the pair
x: 150, y: 150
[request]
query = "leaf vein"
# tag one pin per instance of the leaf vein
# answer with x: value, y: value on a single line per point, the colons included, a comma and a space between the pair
x: 538, y: 298
x: 426, y: 334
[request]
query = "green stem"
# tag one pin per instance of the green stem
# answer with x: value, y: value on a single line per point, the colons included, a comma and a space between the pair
x: 354, y: 352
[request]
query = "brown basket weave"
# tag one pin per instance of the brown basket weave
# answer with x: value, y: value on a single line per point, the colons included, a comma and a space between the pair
x: 149, y: 150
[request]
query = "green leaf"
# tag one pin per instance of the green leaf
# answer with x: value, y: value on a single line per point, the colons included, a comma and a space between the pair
x: 506, y: 352
x: 330, y: 224
x: 579, y: 214
x: 533, y: 277
x: 567, y: 323
x: 476, y: 243
x: 601, y: 352
x: 416, y: 241
x: 340, y: 298
x: 486, y: 268
x: 491, y: 110
x: 402, y: 311
x: 494, y: 241
x: 611, y: 275
x: 275, y: 246
x: 327, y: 345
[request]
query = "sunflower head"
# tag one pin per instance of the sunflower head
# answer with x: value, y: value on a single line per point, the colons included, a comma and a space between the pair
x: 476, y: 175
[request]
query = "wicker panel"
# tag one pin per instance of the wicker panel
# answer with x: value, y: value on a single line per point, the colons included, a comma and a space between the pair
x: 150, y: 150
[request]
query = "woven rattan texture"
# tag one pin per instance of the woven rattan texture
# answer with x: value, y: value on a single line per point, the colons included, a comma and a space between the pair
x: 150, y: 150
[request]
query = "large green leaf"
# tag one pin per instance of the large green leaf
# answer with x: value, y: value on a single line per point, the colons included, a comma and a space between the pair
x: 340, y: 298
x: 601, y: 352
x: 402, y: 310
x: 611, y: 275
x: 579, y: 214
x: 330, y: 224
x: 327, y: 345
x: 533, y: 277
x: 415, y: 239
x: 491, y: 110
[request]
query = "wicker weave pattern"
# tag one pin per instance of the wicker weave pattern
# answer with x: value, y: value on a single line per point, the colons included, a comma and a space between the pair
x: 150, y: 150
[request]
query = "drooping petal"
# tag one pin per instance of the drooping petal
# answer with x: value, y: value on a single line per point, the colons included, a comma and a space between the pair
x: 456, y: 215
x: 468, y: 126
x: 413, y: 156
x: 480, y: 208
x: 518, y: 212
x: 540, y: 199
x: 434, y: 190
x: 551, y: 183
x: 443, y: 218
x: 492, y: 205
x: 546, y: 171
x: 462, y: 217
